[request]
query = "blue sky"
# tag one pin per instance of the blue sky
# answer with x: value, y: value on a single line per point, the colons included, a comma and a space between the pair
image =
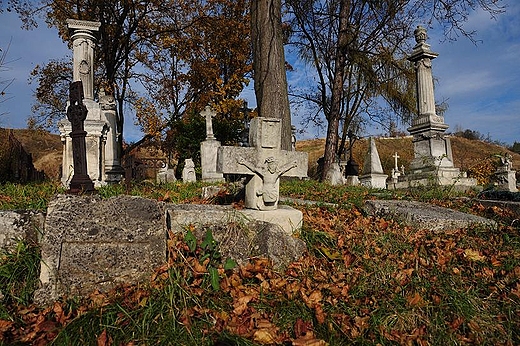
x: 480, y: 83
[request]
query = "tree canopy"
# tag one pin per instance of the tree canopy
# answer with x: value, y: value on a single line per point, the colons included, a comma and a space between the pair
x: 163, y: 58
x: 357, y: 50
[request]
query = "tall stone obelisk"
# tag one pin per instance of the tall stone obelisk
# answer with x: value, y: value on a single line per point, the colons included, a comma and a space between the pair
x: 433, y: 159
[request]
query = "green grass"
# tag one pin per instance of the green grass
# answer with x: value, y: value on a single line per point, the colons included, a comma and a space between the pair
x: 33, y: 196
x: 19, y: 276
x: 378, y: 282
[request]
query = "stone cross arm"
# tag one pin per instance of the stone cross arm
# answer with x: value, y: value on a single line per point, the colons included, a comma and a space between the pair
x: 235, y: 160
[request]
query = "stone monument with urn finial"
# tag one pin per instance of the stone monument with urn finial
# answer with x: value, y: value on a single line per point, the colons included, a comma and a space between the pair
x: 433, y: 159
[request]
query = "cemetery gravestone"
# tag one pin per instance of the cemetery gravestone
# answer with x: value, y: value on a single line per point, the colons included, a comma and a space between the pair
x: 103, y: 156
x: 505, y: 175
x: 90, y: 243
x: 373, y: 175
x: 209, y: 150
x: 188, y: 172
x: 433, y: 160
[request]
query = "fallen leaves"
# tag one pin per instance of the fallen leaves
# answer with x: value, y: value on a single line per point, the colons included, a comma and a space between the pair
x: 367, y: 280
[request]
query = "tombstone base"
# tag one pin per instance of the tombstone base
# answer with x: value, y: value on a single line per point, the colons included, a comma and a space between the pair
x: 440, y: 177
x: 81, y: 183
x: 374, y: 180
x: 288, y: 218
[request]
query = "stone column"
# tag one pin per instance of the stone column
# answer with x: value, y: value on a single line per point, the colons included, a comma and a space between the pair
x: 83, y: 41
x: 113, y: 170
x: 433, y: 159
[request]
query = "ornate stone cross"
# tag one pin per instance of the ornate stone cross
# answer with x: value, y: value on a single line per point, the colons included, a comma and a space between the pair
x: 77, y: 113
x: 208, y: 113
x: 263, y: 163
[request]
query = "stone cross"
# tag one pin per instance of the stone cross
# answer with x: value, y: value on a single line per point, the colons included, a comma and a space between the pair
x: 77, y: 113
x: 263, y: 163
x: 395, y: 156
x: 208, y: 113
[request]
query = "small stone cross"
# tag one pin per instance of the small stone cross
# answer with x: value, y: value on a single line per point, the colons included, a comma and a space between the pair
x: 395, y: 156
x: 208, y: 113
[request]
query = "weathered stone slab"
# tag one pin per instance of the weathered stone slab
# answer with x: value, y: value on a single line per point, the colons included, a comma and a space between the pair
x: 16, y: 225
x: 424, y: 215
x: 240, y: 235
x: 91, y: 243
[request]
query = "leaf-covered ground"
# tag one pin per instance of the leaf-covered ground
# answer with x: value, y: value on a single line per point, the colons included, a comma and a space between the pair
x: 364, y: 280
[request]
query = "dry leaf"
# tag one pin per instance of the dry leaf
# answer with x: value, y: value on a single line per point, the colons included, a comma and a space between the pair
x: 309, y: 340
x: 474, y: 255
x: 415, y: 300
x: 264, y: 336
x: 241, y: 305
x: 104, y: 339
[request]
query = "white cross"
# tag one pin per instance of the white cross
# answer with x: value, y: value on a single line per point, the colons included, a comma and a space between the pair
x: 395, y: 156
x: 208, y: 113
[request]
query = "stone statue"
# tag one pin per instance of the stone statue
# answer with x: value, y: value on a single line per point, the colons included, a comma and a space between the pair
x: 269, y: 173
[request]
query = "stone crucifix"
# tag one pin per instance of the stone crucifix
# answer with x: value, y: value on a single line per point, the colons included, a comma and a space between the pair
x: 208, y: 113
x: 263, y: 163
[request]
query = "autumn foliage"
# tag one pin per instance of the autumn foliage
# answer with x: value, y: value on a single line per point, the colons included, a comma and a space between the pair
x: 363, y: 280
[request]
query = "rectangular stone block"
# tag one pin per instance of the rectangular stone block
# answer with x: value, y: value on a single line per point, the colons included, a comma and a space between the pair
x: 92, y: 243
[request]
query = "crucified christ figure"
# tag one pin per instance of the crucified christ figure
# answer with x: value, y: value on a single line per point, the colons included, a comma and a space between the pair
x: 269, y: 173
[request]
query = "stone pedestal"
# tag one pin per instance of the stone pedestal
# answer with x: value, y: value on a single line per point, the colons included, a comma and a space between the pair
x: 506, y: 180
x: 208, y: 158
x: 95, y: 149
x: 433, y: 160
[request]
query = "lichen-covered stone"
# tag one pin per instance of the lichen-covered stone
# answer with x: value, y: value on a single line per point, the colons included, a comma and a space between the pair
x: 91, y: 243
x: 426, y: 216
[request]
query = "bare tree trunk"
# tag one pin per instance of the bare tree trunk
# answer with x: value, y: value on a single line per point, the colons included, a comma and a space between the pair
x: 269, y: 65
x: 331, y: 142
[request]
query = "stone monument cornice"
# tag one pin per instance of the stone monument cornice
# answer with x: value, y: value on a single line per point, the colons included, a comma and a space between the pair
x: 422, y: 51
x: 83, y: 25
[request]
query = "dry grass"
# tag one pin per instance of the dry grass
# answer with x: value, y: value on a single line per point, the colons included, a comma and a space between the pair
x: 45, y: 148
x: 466, y: 153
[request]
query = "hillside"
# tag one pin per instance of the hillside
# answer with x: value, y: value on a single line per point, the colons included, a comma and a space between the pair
x: 468, y: 155
x: 46, y: 150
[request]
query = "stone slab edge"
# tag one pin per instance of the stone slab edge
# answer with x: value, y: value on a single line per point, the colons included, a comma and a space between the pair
x: 424, y: 215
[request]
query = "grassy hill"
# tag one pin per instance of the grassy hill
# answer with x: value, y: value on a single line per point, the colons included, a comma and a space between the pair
x: 46, y: 150
x: 468, y: 155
